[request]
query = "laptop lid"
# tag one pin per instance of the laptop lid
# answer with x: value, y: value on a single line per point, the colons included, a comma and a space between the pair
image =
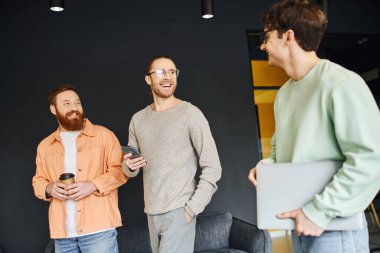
x: 284, y: 187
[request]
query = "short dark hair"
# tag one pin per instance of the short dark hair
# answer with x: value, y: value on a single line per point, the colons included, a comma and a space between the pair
x: 53, y: 95
x: 305, y: 18
x: 156, y: 58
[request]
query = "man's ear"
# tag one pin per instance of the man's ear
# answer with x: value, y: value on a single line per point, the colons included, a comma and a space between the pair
x: 290, y: 36
x: 53, y: 110
x: 148, y: 80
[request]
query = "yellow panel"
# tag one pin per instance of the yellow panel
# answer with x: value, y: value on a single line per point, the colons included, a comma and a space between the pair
x: 264, y: 100
x: 264, y: 96
x: 265, y: 75
x: 266, y: 125
x: 266, y: 118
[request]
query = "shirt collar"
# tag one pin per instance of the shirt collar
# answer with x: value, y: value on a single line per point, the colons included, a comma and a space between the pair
x: 88, y: 130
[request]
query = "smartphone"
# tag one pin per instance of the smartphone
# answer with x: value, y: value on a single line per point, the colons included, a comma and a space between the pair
x: 132, y: 150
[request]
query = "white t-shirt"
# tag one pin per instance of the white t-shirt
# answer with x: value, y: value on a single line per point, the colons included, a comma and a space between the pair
x: 68, y: 139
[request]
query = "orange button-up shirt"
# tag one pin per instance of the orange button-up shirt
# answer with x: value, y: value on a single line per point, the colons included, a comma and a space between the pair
x: 99, y: 161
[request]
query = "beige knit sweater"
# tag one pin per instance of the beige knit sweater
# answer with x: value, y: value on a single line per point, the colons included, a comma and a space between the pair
x: 173, y: 143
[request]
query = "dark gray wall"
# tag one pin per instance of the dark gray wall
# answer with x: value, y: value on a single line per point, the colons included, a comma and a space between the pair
x: 102, y: 47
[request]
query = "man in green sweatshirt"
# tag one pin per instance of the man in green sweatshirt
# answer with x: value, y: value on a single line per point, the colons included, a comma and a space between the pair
x: 173, y: 137
x: 323, y: 112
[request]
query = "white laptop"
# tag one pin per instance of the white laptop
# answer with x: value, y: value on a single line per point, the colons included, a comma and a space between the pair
x: 284, y: 187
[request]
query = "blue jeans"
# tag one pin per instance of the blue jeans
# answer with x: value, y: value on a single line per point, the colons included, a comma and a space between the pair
x: 103, y: 242
x: 346, y: 241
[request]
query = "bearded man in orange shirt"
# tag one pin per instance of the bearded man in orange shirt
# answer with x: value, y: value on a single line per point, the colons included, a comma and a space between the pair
x: 82, y: 215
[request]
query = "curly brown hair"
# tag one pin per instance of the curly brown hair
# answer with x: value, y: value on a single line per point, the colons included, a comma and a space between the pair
x: 305, y: 18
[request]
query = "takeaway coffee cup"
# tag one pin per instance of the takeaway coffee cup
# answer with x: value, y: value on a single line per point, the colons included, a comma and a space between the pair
x: 67, y: 178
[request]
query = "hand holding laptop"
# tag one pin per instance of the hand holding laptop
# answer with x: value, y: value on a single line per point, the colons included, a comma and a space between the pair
x: 284, y: 188
x: 252, y: 172
x: 303, y: 226
x: 252, y: 176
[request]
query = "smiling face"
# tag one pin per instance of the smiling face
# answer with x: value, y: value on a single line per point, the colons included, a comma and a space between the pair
x: 275, y: 47
x: 68, y: 111
x: 163, y: 86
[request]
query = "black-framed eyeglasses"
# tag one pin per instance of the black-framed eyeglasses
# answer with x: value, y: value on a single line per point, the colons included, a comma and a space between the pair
x: 264, y: 36
x: 160, y: 73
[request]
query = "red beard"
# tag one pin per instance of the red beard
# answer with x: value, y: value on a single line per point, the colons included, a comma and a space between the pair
x: 74, y: 124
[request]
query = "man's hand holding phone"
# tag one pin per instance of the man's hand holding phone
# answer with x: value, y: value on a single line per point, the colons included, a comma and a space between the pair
x: 133, y: 158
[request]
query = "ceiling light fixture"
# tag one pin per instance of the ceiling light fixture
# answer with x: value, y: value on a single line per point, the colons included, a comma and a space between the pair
x: 56, y: 5
x: 207, y: 9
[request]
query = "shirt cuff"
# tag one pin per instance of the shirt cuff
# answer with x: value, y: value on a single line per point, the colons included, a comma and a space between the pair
x: 316, y: 215
x: 47, y: 198
x: 99, y: 188
x: 189, y: 211
x: 127, y: 171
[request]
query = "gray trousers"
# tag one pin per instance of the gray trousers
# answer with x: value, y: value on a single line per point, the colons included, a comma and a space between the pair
x: 170, y: 233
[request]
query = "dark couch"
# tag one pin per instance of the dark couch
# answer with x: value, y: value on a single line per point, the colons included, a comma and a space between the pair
x: 216, y: 232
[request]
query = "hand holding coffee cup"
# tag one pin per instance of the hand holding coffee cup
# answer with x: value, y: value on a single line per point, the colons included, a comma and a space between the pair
x: 58, y: 189
x: 67, y: 178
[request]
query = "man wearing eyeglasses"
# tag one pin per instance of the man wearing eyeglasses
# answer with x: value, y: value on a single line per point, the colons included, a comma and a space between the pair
x: 323, y: 112
x: 173, y: 137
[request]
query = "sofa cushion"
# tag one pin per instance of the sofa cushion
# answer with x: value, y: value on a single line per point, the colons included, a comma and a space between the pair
x: 212, y: 231
x: 248, y: 237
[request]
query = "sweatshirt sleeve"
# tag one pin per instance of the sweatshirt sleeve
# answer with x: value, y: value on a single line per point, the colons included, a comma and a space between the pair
x: 205, y: 147
x: 356, y: 121
x: 272, y: 157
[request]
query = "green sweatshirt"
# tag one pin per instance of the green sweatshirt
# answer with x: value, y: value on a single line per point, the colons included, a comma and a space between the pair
x: 173, y: 143
x: 330, y: 114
